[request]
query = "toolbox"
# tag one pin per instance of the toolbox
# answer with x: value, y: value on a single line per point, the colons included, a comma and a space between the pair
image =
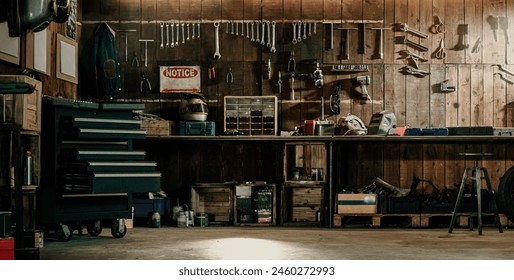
x: 414, y: 131
x: 481, y: 130
x: 204, y: 128
x: 356, y: 203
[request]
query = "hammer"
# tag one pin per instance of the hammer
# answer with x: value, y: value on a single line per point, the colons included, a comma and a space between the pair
x: 345, y: 52
x: 380, y: 53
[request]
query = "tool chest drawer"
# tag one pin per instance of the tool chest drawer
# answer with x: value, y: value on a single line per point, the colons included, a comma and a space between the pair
x: 113, y: 182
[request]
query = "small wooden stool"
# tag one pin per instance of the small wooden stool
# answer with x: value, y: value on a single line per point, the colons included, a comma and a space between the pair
x: 477, y: 174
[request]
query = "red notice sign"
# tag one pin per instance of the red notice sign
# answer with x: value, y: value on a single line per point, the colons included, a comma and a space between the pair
x: 179, y: 79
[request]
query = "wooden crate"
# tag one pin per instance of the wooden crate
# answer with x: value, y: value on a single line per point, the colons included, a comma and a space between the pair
x: 301, y: 204
x: 308, y: 159
x: 23, y: 109
x: 215, y: 200
x: 156, y: 127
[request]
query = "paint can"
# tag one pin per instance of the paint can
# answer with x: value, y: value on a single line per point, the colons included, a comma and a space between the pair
x: 202, y: 220
x: 181, y: 219
x: 156, y: 220
x: 190, y: 218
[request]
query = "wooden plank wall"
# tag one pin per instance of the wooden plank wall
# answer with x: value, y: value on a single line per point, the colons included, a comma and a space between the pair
x: 482, y: 96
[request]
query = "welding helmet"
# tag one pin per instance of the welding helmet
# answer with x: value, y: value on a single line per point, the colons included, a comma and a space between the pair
x: 193, y: 107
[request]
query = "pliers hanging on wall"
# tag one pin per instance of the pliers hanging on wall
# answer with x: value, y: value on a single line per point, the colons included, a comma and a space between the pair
x: 135, y: 61
x: 144, y: 85
x: 230, y: 77
x: 291, y: 65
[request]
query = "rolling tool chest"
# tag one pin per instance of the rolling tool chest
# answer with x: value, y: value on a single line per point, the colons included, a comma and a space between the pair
x: 90, y: 168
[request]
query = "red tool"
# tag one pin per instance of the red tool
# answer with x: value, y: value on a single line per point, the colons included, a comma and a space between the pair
x: 211, y: 71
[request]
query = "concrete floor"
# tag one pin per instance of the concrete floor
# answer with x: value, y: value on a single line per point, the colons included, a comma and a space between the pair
x: 285, y: 243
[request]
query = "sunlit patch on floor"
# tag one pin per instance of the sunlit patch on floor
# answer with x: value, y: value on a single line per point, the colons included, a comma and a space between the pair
x: 245, y: 249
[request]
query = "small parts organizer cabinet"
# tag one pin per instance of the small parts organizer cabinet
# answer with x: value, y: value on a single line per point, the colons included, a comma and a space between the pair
x: 251, y: 115
x: 91, y: 169
x: 305, y: 166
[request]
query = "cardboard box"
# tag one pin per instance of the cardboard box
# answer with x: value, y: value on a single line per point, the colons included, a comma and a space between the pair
x: 34, y: 238
x: 356, y: 203
x: 23, y: 109
x: 129, y: 223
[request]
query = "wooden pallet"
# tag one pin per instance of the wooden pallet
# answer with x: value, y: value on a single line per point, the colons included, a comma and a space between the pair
x: 376, y: 220
x: 423, y: 220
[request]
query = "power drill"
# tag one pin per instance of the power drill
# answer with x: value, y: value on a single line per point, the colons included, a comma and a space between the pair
x: 363, y: 81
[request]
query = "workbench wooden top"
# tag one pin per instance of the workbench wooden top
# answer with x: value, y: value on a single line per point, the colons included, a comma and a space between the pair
x: 347, y: 138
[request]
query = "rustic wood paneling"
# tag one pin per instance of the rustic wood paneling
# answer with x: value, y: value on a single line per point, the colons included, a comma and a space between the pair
x: 433, y: 166
x: 464, y: 86
x: 373, y: 10
x: 392, y: 164
x: 509, y: 32
x: 473, y: 18
x: 437, y: 97
x: 452, y: 98
x: 109, y: 10
x: 438, y: 11
x: 455, y: 30
x: 353, y: 10
x: 499, y: 103
x: 477, y: 95
x: 488, y: 95
x: 377, y: 92
x: 494, y: 37
x: 389, y: 35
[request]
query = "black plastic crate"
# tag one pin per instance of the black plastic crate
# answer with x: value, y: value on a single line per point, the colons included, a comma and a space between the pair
x: 403, y: 205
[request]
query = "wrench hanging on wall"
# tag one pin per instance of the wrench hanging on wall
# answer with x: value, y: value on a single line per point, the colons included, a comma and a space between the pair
x: 217, y: 54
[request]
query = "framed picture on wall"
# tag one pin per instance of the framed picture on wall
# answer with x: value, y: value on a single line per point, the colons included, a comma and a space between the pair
x: 9, y: 46
x: 66, y: 59
x: 71, y: 24
x: 38, y: 51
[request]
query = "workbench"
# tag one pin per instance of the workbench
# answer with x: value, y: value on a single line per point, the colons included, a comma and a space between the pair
x: 352, y: 161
